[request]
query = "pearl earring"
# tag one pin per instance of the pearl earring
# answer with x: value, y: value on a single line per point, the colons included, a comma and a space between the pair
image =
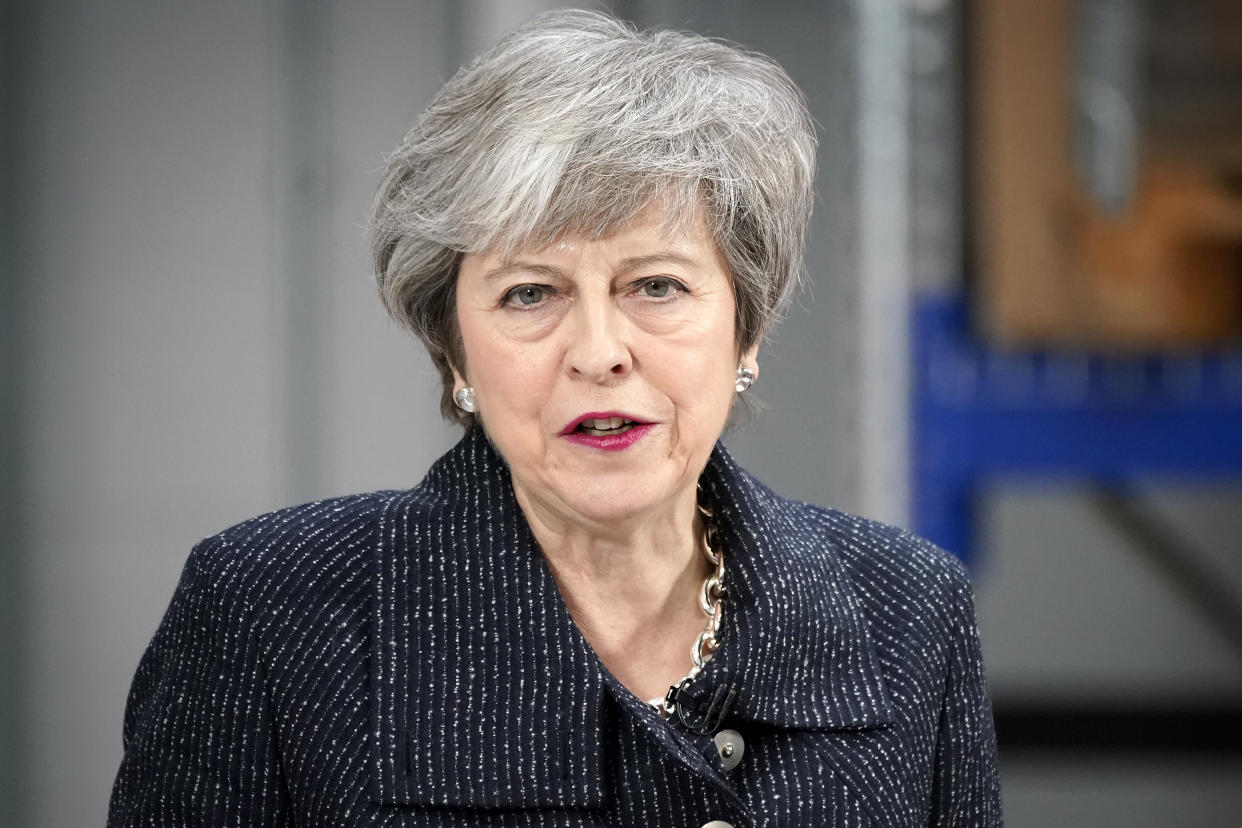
x: 464, y: 397
x: 745, y: 379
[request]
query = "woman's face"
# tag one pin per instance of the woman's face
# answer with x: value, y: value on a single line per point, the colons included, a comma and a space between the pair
x: 603, y: 369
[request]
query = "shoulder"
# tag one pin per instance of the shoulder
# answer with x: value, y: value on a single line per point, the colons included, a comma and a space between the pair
x: 886, y: 565
x: 295, y: 553
x: 873, y: 552
x: 285, y: 536
x: 322, y: 553
x: 897, y: 576
x: 882, y: 554
x: 915, y: 597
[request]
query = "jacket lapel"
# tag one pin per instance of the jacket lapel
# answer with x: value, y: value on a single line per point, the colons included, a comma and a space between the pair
x: 796, y: 644
x: 484, y: 694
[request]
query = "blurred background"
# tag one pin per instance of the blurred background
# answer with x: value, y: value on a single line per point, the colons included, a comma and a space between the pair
x: 1022, y: 337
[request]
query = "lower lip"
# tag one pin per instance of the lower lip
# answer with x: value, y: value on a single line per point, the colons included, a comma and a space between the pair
x: 611, y: 442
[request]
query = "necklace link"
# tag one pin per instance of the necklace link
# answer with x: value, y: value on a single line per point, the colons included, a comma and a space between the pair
x: 711, y: 601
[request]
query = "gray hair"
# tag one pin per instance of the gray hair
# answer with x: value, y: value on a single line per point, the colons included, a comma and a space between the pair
x: 572, y: 124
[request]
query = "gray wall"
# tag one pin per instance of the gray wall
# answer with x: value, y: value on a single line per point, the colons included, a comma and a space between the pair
x: 1072, y: 615
x: 193, y: 338
x: 164, y: 359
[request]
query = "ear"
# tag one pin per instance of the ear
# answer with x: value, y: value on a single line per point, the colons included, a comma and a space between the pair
x: 458, y: 380
x: 750, y: 359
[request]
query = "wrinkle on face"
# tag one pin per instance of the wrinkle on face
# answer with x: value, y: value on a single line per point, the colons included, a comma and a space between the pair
x: 601, y: 344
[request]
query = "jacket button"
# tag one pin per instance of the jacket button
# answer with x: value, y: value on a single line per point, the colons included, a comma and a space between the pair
x: 730, y: 747
x: 718, y: 823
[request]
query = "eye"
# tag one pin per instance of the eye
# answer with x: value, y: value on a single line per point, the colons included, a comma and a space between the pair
x: 525, y: 296
x: 660, y: 287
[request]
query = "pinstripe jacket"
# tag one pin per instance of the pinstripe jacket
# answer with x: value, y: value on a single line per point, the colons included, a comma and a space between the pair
x: 405, y: 659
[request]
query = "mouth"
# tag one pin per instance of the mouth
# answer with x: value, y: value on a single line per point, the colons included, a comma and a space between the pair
x: 602, y: 425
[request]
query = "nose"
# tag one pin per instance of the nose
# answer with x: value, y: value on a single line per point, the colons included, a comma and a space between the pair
x: 598, y: 350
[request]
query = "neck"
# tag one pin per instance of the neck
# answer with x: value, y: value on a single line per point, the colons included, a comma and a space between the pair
x: 631, y: 587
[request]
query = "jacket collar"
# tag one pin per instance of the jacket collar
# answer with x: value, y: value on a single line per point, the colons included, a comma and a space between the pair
x: 795, y: 641
x: 485, y: 694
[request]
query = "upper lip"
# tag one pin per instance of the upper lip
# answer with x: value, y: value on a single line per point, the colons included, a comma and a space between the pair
x: 600, y: 415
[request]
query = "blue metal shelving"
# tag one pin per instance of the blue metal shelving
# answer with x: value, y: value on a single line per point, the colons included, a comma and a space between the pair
x: 981, y: 414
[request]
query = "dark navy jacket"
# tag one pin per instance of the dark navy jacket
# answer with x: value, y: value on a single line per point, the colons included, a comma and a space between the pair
x: 405, y: 659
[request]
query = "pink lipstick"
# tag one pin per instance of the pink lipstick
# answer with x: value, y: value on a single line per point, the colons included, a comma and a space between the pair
x: 607, y: 431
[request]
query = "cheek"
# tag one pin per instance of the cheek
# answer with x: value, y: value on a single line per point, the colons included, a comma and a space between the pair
x: 486, y: 354
x: 705, y: 387
x: 510, y: 380
x: 723, y: 398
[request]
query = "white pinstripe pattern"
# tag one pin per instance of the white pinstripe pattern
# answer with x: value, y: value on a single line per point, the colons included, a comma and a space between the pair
x: 405, y: 659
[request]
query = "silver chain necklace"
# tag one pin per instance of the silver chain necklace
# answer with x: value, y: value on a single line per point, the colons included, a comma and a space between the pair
x: 711, y: 598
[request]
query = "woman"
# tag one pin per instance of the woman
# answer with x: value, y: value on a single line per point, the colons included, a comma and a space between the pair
x: 586, y: 614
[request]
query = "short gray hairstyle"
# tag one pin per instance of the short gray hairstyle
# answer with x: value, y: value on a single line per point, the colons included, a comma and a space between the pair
x: 572, y: 124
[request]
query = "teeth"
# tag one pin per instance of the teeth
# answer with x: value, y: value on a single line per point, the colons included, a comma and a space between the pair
x: 604, y: 423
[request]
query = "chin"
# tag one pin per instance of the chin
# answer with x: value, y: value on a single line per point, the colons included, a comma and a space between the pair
x: 622, y: 498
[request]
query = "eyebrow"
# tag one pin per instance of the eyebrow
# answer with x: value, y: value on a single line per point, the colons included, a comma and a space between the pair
x: 627, y: 264
x: 521, y: 267
x: 636, y: 262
